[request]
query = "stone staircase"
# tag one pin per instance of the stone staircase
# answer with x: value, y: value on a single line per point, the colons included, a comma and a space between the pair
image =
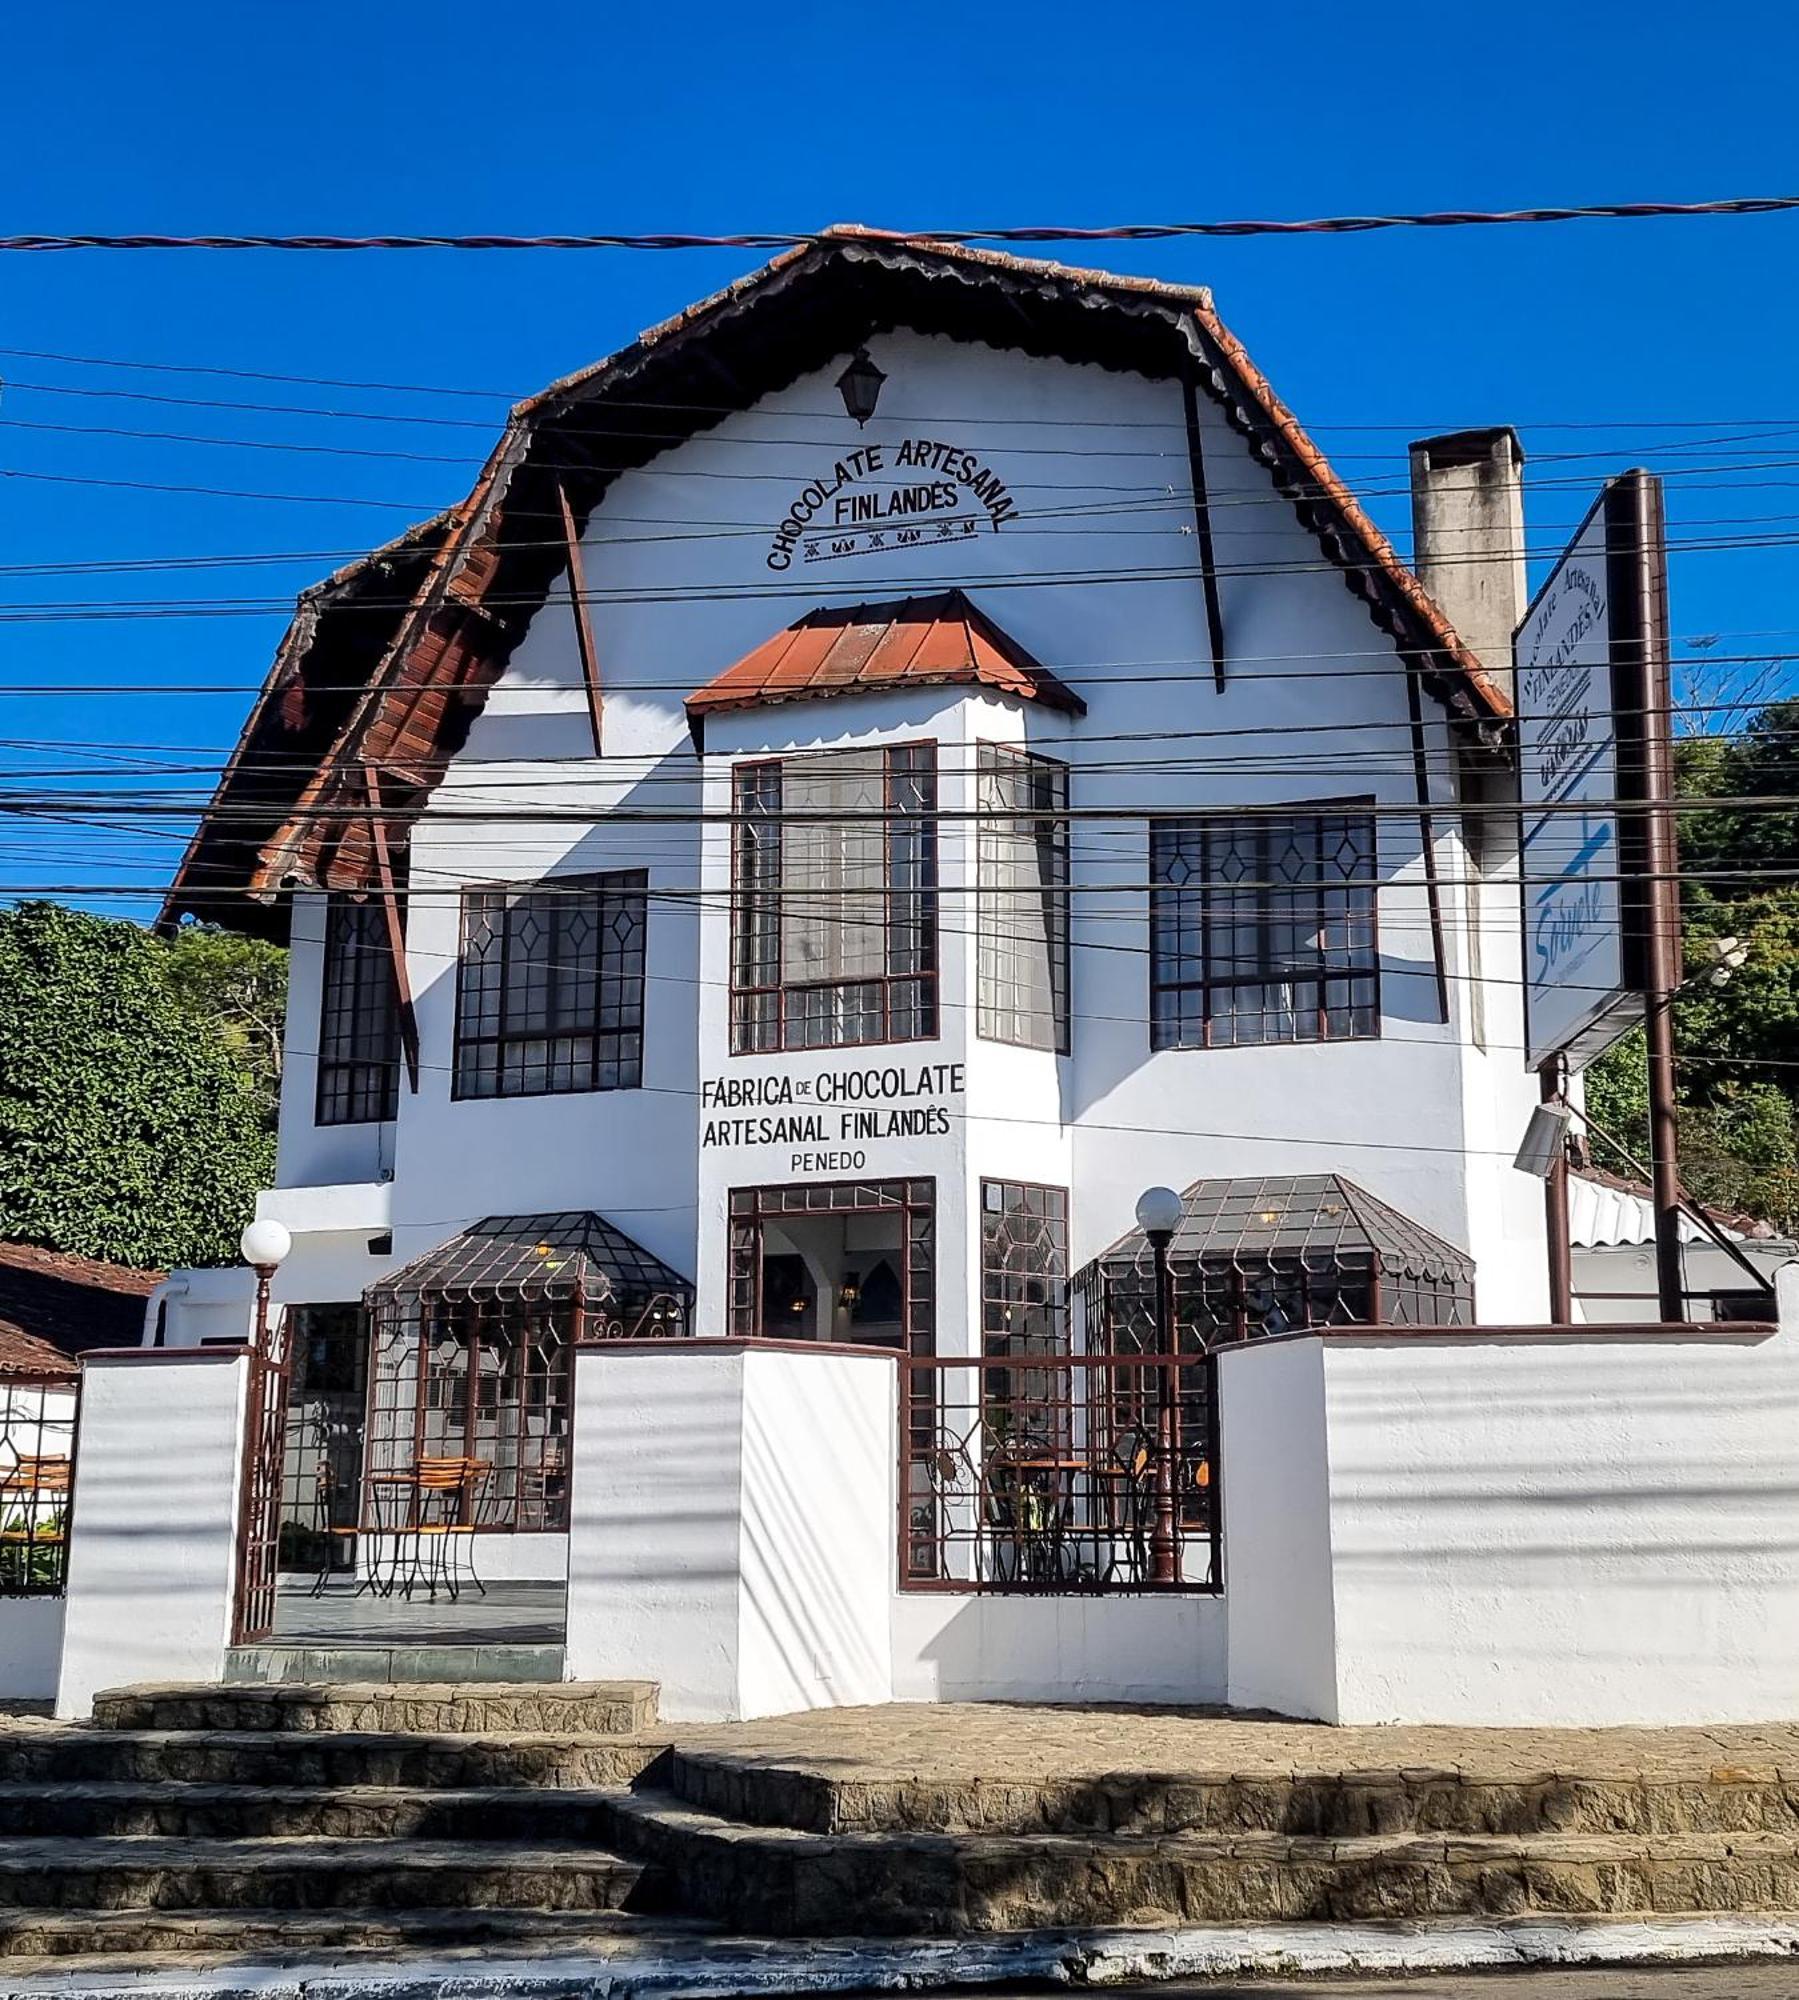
x: 237, y: 1820
x: 332, y: 1822
x: 778, y: 1849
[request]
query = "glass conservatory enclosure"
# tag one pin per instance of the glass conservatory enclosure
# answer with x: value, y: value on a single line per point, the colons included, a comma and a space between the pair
x: 472, y: 1352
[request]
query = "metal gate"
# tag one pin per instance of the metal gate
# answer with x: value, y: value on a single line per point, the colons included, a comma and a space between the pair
x: 260, y: 1486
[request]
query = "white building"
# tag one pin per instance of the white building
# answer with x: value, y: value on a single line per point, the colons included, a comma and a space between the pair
x: 901, y: 758
x: 1077, y: 632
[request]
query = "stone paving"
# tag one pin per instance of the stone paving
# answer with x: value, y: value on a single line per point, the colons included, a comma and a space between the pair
x: 957, y: 1742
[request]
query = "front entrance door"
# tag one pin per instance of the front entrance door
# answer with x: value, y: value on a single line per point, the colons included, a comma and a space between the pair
x: 321, y: 1484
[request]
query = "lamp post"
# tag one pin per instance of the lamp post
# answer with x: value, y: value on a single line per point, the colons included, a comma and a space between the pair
x: 264, y: 1244
x: 1159, y: 1216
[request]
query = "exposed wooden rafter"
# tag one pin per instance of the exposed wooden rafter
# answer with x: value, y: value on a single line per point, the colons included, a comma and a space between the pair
x: 577, y: 592
x: 389, y: 891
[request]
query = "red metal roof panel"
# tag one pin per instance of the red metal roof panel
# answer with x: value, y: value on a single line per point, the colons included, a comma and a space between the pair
x: 942, y: 641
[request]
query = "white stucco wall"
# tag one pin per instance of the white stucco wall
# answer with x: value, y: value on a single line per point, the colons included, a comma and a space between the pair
x: 30, y: 1647
x: 152, y: 1552
x: 1587, y: 1528
x: 1277, y: 1528
x: 733, y: 1524
x: 951, y: 1647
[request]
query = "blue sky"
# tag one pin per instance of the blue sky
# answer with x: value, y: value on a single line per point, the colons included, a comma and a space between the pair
x: 1676, y: 337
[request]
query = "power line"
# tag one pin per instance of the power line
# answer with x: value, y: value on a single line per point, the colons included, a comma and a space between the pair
x: 1129, y: 232
x: 223, y: 371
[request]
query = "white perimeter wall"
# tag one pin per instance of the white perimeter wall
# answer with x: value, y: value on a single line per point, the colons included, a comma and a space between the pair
x: 733, y: 1525
x: 1550, y: 1529
x: 152, y: 1551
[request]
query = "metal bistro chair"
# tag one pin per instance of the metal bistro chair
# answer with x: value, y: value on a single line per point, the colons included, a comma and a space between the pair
x: 329, y: 1535
x: 34, y: 1515
x: 449, y: 1497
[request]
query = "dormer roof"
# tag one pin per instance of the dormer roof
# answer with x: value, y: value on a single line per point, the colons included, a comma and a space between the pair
x: 939, y: 641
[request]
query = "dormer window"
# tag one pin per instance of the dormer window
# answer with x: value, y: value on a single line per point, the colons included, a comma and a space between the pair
x: 834, y: 920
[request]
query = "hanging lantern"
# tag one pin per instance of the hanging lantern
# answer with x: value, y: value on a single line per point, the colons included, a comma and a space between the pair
x: 860, y: 386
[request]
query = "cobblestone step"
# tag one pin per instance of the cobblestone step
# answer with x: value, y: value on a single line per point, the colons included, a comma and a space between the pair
x: 1335, y: 1803
x: 789, y: 1882
x: 616, y: 1708
x: 309, y: 1875
x: 102, y: 1939
x: 255, y: 1812
x: 71, y: 1755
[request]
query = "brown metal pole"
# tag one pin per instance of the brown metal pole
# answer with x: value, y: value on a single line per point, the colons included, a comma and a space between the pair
x: 1552, y: 1078
x: 1164, y: 1543
x: 264, y: 1274
x: 1662, y: 954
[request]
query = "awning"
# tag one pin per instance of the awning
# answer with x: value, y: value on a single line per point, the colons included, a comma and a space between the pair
x: 539, y: 1260
x: 1320, y: 1219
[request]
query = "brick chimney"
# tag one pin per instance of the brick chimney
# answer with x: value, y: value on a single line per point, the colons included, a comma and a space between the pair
x: 1468, y: 537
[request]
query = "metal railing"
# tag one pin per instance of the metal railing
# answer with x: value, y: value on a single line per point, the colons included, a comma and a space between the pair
x: 37, y: 1482
x: 1059, y: 1474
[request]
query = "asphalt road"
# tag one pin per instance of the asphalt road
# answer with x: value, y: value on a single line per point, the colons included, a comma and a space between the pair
x: 1712, y: 1982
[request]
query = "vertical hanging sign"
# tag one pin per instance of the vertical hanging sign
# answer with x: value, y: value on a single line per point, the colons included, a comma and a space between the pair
x: 1585, y: 678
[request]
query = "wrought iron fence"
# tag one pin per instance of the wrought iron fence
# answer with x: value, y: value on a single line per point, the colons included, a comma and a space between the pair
x: 37, y: 1484
x: 1061, y: 1473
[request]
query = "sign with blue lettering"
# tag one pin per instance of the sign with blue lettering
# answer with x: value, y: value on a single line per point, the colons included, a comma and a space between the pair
x: 1577, y: 992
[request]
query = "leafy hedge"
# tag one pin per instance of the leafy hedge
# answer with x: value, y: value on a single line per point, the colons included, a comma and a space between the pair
x: 129, y: 1127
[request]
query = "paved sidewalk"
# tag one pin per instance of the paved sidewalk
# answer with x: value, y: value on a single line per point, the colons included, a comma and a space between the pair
x: 1020, y: 1744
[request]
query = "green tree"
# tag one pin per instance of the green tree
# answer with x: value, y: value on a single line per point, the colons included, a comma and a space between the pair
x: 239, y: 985
x: 130, y: 1128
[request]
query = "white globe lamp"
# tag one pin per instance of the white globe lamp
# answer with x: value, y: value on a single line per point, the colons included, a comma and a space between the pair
x: 1159, y: 1212
x: 265, y: 1243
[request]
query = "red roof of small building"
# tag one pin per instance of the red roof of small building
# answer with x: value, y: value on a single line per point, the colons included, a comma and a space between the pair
x: 25, y: 1358
x: 67, y: 1304
x: 938, y: 641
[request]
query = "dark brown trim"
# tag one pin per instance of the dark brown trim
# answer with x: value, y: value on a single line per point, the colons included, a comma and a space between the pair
x: 1427, y: 833
x: 1724, y: 1332
x: 577, y: 592
x: 731, y: 1344
x: 224, y: 1350
x: 396, y: 935
x: 1202, y: 521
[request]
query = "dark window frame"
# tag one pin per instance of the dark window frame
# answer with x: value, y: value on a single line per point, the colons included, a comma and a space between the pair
x: 914, y: 1197
x: 1351, y: 904
x: 357, y: 1079
x: 992, y: 1019
x: 613, y: 1027
x: 764, y: 1020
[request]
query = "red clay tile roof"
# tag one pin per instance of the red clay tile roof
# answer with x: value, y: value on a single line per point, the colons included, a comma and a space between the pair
x: 938, y: 641
x: 23, y: 1357
x: 71, y: 1303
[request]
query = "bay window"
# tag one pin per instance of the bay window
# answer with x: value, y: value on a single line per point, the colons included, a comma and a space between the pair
x: 1021, y: 899
x: 834, y: 915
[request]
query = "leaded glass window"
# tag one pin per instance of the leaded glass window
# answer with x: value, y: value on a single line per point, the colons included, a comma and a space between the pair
x: 1021, y: 899
x: 834, y: 920
x: 359, y: 1017
x: 1263, y: 929
x: 550, y: 992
